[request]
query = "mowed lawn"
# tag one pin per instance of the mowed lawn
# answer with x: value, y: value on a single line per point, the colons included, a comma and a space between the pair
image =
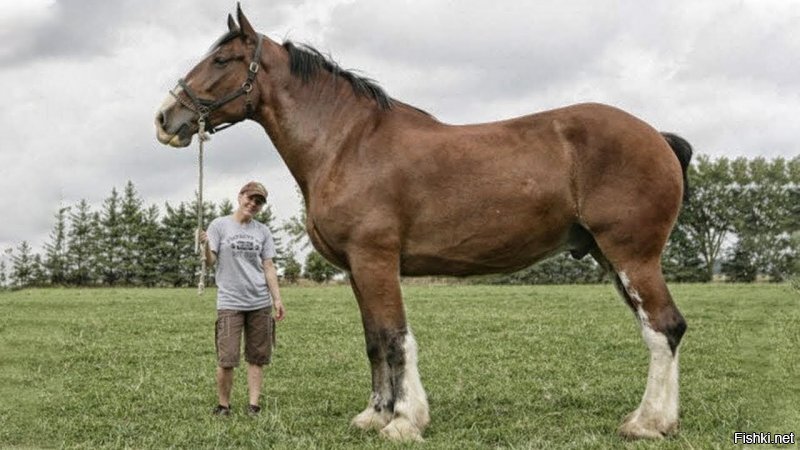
x: 504, y: 367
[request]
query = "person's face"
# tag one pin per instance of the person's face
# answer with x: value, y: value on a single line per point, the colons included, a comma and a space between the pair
x: 251, y: 204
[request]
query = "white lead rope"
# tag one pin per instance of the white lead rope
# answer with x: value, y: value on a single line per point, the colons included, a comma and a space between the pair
x: 200, y: 248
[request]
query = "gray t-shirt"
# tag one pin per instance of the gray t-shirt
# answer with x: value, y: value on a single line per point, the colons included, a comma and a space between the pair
x: 241, y: 249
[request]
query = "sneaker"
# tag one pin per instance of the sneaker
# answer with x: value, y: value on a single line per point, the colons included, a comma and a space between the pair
x: 223, y: 411
x: 253, y: 410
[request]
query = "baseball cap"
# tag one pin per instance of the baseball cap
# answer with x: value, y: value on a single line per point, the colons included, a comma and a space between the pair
x: 254, y: 188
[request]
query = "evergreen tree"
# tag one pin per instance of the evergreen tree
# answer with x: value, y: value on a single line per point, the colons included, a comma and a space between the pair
x: 95, y: 264
x: 740, y: 267
x: 177, y: 233
x: 3, y: 276
x: 151, y: 248
x: 225, y: 208
x: 110, y: 240
x: 131, y: 223
x: 56, y: 262
x: 3, y: 270
x: 267, y: 218
x: 291, y: 268
x: 39, y: 275
x: 81, y: 245
x: 318, y: 269
x: 22, y: 269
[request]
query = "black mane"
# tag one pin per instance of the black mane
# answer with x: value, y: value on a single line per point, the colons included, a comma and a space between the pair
x: 305, y: 61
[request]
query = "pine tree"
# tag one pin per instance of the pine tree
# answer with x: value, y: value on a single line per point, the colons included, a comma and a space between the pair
x: 56, y: 262
x: 225, y: 208
x: 3, y: 276
x: 95, y: 263
x: 150, y: 248
x: 8, y: 259
x: 110, y: 240
x: 22, y: 270
x: 318, y: 269
x: 130, y: 219
x: 740, y: 267
x: 38, y: 273
x: 179, y: 259
x: 82, y: 245
x: 291, y: 268
x: 267, y: 218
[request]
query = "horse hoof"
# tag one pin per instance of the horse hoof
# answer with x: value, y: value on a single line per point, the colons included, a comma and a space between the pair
x: 401, y: 430
x: 369, y: 419
x: 635, y: 426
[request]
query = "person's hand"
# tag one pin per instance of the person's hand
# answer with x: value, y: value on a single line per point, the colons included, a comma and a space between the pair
x: 280, y: 311
x: 202, y: 236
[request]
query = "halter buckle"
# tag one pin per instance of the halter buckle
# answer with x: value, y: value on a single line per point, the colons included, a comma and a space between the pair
x: 253, y: 67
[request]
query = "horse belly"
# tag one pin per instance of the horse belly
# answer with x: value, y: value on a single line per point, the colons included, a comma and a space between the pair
x: 491, y: 242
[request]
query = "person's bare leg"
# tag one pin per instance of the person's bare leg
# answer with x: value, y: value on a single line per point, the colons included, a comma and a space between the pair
x: 255, y: 374
x: 224, y: 385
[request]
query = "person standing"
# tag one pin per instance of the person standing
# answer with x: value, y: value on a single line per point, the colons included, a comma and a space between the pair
x: 247, y: 293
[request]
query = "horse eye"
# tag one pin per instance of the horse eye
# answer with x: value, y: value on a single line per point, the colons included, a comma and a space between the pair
x: 220, y: 61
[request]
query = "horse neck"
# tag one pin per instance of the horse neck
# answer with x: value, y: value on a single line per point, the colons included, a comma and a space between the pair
x: 309, y: 123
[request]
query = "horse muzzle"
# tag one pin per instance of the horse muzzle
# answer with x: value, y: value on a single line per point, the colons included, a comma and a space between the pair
x: 181, y: 137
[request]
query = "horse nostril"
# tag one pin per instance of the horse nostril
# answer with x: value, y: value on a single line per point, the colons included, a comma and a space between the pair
x: 161, y: 119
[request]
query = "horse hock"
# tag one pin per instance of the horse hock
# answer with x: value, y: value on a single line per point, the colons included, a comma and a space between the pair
x: 662, y: 328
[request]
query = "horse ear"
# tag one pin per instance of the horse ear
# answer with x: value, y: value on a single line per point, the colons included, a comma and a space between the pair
x: 247, y: 29
x: 232, y: 27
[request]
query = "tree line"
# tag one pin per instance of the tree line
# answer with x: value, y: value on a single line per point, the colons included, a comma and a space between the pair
x: 127, y: 243
x: 741, y: 223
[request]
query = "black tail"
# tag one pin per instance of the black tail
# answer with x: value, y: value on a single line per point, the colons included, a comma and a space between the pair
x: 683, y: 151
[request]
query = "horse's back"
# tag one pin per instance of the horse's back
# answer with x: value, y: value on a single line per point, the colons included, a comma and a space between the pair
x: 499, y: 196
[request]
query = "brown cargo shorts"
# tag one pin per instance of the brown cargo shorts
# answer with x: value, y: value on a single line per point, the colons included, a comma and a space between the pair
x: 259, y: 336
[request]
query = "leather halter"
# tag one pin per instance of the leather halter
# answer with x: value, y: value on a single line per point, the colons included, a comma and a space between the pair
x: 204, y: 107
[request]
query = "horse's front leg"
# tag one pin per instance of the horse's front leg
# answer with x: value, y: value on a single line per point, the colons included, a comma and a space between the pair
x: 398, y: 406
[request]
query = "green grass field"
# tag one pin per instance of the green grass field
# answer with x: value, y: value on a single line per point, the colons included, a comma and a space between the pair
x: 504, y: 367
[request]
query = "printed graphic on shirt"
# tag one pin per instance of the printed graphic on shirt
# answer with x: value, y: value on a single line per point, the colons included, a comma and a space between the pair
x: 244, y: 246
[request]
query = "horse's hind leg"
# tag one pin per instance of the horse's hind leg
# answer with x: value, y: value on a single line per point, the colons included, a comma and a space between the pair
x: 642, y: 286
x: 398, y: 406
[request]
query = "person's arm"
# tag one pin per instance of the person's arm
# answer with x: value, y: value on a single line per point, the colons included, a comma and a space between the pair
x: 271, y: 275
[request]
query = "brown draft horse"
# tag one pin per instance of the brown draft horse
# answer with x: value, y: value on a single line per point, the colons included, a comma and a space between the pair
x: 392, y: 191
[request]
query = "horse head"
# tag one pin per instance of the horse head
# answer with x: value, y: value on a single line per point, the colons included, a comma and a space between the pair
x: 220, y: 90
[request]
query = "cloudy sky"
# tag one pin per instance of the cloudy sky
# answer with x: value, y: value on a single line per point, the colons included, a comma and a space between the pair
x: 82, y: 80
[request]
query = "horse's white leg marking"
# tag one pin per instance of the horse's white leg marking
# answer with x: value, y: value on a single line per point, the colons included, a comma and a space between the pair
x: 411, y: 414
x: 376, y: 415
x: 657, y: 414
